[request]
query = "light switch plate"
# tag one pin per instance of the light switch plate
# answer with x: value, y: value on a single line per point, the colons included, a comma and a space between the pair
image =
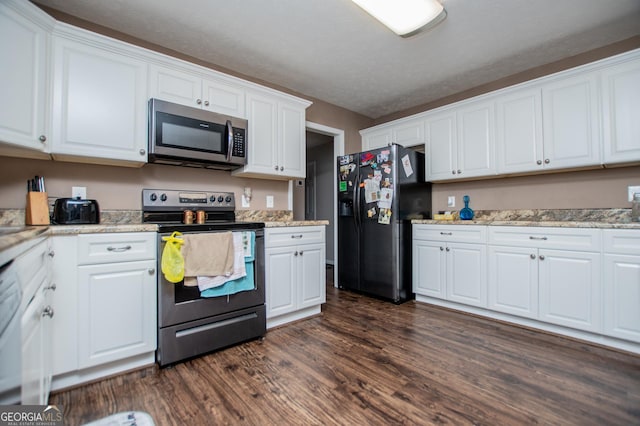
x: 79, y: 192
x: 632, y: 190
x: 269, y: 201
x: 451, y: 201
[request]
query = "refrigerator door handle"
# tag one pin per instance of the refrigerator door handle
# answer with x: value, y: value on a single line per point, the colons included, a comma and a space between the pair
x: 356, y: 198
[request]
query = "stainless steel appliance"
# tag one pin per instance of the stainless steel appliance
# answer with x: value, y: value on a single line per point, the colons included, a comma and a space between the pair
x: 189, y: 324
x: 185, y: 136
x: 379, y: 192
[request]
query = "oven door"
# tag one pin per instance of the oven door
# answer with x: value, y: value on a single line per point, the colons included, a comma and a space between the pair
x: 178, y: 304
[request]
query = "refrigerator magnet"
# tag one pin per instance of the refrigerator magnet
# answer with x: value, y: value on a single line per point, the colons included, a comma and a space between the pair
x: 371, y: 212
x: 385, y: 216
x: 343, y: 186
x: 406, y: 165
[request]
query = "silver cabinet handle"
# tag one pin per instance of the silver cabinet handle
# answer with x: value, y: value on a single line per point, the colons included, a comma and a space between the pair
x: 448, y: 249
x: 446, y: 233
x: 51, y: 253
x: 151, y: 271
x: 275, y: 168
x: 48, y: 312
x: 281, y: 168
x: 119, y: 249
x: 52, y: 287
x: 206, y: 103
x: 42, y: 138
x: 459, y: 171
x: 541, y: 257
x: 441, y: 248
x: 539, y: 162
x: 296, y: 236
x: 538, y: 238
x: 199, y: 101
x: 142, y: 152
x: 301, y: 252
x: 295, y: 254
x: 453, y: 172
x: 533, y: 256
x: 546, y: 161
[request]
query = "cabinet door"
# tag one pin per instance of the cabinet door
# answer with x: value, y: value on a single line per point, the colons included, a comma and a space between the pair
x: 513, y: 280
x: 22, y: 81
x: 440, y: 146
x: 429, y: 268
x: 263, y: 147
x: 100, y: 104
x: 570, y: 289
x: 377, y: 139
x: 621, y: 109
x: 64, y: 352
x: 519, y: 132
x: 116, y: 311
x: 622, y: 296
x: 467, y: 273
x: 176, y: 86
x: 410, y: 133
x: 476, y: 139
x: 281, y: 278
x: 223, y: 98
x: 292, y: 145
x: 571, y: 122
x: 311, y: 276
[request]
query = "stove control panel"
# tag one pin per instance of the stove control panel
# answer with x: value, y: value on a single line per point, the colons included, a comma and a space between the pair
x: 169, y: 199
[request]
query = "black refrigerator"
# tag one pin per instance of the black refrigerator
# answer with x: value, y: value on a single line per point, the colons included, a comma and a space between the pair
x: 379, y: 192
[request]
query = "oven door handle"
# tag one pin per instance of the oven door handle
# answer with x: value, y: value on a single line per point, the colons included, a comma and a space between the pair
x: 229, y: 140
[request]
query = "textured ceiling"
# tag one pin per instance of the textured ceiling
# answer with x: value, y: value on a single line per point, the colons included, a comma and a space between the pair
x: 332, y: 50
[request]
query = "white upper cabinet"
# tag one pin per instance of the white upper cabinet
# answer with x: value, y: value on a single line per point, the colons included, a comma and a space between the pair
x: 99, y: 100
x: 195, y: 90
x: 23, y: 80
x: 407, y: 133
x: 441, y: 148
x: 460, y: 142
x: 276, y: 138
x: 476, y: 139
x: 376, y: 139
x: 519, y: 146
x: 621, y: 112
x: 571, y: 122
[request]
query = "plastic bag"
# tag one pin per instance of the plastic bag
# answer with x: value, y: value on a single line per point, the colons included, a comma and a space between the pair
x: 172, y: 263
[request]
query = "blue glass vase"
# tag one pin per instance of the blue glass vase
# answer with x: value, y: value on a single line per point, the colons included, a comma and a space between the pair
x: 466, y: 213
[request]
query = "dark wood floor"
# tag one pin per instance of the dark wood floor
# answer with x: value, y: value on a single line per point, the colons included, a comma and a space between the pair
x: 364, y: 361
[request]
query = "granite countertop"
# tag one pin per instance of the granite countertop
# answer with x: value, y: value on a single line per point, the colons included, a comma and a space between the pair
x: 288, y: 223
x: 563, y: 218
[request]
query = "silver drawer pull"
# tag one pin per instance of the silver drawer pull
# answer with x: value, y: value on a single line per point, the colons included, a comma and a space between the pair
x: 297, y: 236
x: 538, y: 238
x: 446, y: 233
x: 119, y: 249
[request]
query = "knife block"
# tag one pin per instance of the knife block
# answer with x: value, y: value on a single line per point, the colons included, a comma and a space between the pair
x: 37, y: 211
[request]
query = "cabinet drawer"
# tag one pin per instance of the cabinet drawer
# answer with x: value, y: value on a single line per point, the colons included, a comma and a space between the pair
x: 622, y: 241
x: 280, y: 237
x: 548, y: 238
x: 108, y: 248
x: 454, y: 233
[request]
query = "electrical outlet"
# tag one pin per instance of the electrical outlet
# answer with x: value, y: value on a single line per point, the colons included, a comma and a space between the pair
x: 79, y: 192
x: 451, y: 201
x: 269, y: 201
x: 632, y: 190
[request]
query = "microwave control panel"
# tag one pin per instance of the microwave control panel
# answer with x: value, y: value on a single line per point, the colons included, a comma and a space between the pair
x: 239, y: 143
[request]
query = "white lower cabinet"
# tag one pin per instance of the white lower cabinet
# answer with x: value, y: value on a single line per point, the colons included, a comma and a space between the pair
x: 33, y: 271
x: 447, y: 269
x: 295, y: 273
x: 622, y: 284
x: 549, y: 274
x: 107, y: 287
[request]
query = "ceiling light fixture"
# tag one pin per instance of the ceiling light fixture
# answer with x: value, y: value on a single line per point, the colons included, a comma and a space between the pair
x: 405, y: 17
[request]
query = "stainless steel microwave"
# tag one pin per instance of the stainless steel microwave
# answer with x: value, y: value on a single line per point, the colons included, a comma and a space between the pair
x: 184, y: 136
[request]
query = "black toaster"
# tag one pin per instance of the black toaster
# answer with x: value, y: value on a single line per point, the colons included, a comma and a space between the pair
x: 75, y: 211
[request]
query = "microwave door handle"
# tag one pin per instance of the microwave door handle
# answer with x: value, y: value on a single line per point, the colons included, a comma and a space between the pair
x: 229, y: 140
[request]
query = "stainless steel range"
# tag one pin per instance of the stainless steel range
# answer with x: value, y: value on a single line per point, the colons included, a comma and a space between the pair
x: 189, y: 324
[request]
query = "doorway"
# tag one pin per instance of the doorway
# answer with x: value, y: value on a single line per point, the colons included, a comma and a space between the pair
x: 324, y: 145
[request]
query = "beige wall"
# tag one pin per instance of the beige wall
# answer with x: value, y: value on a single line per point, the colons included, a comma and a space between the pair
x: 119, y: 188
x: 602, y: 188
